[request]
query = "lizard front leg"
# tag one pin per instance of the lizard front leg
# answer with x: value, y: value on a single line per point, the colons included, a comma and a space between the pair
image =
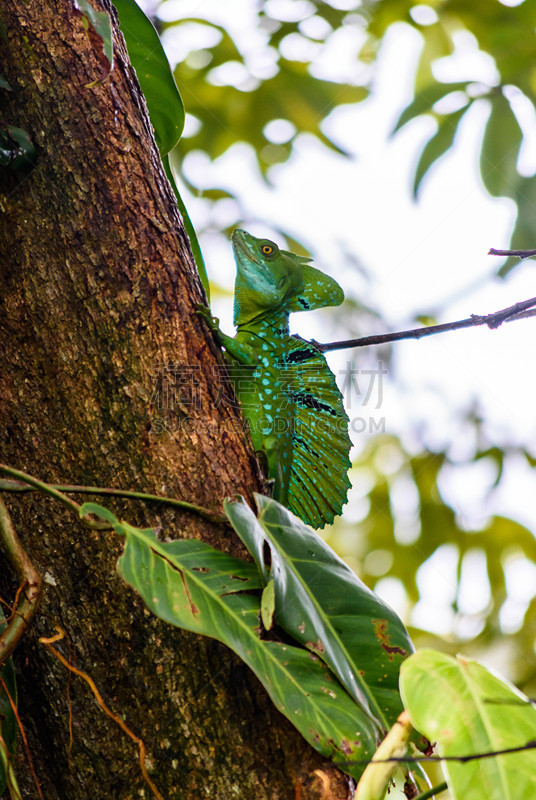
x: 241, y: 352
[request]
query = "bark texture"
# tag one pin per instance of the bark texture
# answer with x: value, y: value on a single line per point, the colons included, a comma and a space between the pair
x: 97, y: 294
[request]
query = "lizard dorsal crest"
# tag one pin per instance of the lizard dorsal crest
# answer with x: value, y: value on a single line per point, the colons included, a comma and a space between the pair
x: 319, y: 290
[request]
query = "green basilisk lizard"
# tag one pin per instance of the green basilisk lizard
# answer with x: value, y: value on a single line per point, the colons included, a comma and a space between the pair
x: 286, y: 390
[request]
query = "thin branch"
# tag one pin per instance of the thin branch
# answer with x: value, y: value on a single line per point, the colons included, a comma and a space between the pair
x: 518, y: 253
x: 530, y: 745
x: 25, y: 484
x: 517, y: 311
x: 30, y: 582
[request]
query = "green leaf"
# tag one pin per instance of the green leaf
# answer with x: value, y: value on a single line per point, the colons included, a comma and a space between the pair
x: 193, y: 586
x: 156, y: 79
x: 500, y: 149
x: 324, y: 606
x: 425, y: 100
x: 523, y: 235
x: 190, y: 230
x: 99, y: 511
x: 4, y: 84
x: 468, y: 710
x: 268, y: 605
x: 216, y: 194
x: 438, y: 145
x: 248, y: 528
x: 102, y: 25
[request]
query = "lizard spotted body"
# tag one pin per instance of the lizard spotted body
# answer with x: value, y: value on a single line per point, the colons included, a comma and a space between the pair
x: 286, y: 390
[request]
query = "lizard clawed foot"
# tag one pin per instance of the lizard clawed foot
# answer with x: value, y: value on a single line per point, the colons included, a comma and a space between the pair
x: 269, y: 485
x: 212, y: 322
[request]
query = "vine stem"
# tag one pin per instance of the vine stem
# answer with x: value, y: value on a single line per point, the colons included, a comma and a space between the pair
x: 26, y: 483
x: 24, y: 610
x: 379, y: 771
x: 49, y: 643
x: 441, y: 787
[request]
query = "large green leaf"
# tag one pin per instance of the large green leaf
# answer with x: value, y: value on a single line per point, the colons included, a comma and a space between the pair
x: 154, y: 74
x: 438, y: 145
x: 193, y: 586
x: 500, y: 149
x: 424, y: 100
x: 467, y: 710
x: 322, y: 603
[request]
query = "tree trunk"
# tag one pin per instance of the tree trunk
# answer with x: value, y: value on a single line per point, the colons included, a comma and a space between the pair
x: 97, y: 298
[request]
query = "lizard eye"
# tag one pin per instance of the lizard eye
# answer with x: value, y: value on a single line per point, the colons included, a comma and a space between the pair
x: 267, y: 249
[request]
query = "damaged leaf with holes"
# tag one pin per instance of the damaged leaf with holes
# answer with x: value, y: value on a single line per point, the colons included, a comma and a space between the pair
x: 322, y: 604
x: 193, y: 586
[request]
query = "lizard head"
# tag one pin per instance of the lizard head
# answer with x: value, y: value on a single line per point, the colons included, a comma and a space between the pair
x: 271, y: 279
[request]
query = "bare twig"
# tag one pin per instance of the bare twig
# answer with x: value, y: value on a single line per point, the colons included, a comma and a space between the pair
x: 530, y: 745
x: 517, y: 311
x: 518, y: 253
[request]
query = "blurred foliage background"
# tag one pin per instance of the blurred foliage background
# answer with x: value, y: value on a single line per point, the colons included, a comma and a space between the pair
x: 257, y: 77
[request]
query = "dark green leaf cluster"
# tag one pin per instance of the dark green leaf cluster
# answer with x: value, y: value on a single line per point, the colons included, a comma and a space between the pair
x: 16, y: 148
x: 240, y: 112
x: 337, y: 681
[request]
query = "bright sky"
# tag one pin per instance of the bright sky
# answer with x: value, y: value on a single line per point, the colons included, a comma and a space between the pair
x: 424, y: 257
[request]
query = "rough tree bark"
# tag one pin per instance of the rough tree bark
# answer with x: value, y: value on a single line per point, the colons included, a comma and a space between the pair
x: 97, y: 292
